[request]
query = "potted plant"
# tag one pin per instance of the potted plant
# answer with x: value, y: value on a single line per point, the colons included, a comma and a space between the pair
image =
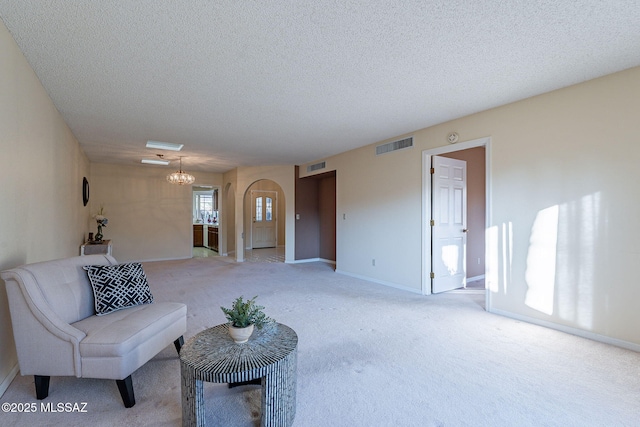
x: 243, y: 316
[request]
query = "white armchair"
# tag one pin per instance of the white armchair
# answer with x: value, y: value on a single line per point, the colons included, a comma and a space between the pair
x: 57, y: 332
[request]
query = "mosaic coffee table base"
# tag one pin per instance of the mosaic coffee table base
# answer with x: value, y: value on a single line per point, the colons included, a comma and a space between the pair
x: 270, y: 354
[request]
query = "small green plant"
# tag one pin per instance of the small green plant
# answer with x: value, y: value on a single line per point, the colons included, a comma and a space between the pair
x: 245, y: 313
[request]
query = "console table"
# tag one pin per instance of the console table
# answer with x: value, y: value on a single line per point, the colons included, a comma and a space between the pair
x: 269, y: 355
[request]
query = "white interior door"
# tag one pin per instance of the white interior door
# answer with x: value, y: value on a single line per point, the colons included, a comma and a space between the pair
x: 263, y: 210
x: 449, y: 223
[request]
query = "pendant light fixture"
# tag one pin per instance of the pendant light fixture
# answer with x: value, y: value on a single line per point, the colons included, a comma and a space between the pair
x: 181, y: 177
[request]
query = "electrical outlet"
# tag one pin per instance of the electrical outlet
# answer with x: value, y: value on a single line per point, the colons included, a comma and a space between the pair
x: 373, y: 262
x: 478, y: 261
x: 344, y: 216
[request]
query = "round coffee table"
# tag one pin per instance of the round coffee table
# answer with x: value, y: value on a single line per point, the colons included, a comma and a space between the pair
x: 269, y: 355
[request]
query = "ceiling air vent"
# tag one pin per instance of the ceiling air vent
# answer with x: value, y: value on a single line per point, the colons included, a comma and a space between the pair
x: 393, y: 146
x: 316, y: 166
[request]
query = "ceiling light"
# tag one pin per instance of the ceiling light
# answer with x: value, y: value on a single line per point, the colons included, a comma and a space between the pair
x: 155, y: 162
x: 164, y: 145
x: 181, y: 177
x: 159, y: 161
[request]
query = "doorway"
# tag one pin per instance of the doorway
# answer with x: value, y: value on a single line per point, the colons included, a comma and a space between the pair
x: 206, y: 221
x: 315, y: 207
x: 476, y: 154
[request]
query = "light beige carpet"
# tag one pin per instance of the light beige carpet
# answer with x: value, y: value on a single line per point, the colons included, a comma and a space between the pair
x: 368, y: 355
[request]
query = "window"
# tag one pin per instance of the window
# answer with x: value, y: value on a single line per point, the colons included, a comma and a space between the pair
x: 258, y: 208
x: 269, y: 208
x: 203, y: 207
x: 264, y: 207
x: 205, y: 203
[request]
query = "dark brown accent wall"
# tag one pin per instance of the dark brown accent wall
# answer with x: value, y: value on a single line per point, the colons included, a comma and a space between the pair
x: 307, y: 223
x: 315, y: 216
x: 327, y: 208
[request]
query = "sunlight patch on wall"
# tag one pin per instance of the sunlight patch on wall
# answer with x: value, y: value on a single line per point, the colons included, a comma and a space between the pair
x: 491, y: 273
x: 507, y: 253
x: 499, y: 248
x: 541, y: 261
x: 578, y: 236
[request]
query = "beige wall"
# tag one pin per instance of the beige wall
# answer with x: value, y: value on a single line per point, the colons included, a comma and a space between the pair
x: 41, y: 212
x: 563, y: 165
x: 562, y: 169
x: 149, y: 218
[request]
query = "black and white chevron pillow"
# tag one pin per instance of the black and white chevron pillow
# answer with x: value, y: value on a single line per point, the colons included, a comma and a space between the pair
x: 118, y: 286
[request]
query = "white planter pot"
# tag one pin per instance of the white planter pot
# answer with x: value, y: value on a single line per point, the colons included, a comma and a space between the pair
x: 240, y: 335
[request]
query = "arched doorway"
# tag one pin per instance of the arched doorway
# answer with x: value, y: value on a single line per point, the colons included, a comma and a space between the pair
x: 264, y: 222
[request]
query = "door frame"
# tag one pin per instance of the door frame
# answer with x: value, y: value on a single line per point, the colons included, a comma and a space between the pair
x: 426, y: 206
x: 209, y: 187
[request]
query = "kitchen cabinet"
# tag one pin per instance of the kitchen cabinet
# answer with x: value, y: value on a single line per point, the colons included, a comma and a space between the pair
x: 198, y: 235
x: 213, y: 238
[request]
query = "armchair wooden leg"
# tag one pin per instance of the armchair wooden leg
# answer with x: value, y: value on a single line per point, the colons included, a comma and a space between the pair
x: 126, y: 391
x: 179, y: 343
x: 42, y: 386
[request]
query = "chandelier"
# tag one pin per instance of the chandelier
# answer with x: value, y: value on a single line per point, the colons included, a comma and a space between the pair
x: 181, y: 177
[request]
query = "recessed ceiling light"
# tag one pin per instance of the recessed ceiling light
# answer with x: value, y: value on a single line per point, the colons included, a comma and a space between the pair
x: 155, y: 162
x: 164, y: 145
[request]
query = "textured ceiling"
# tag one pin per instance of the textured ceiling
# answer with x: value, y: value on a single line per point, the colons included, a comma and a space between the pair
x: 287, y: 82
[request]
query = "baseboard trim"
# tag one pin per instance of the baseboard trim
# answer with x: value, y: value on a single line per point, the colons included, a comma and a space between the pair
x: 381, y: 282
x: 159, y: 259
x: 301, y: 261
x: 6, y: 382
x: 570, y: 330
x: 474, y: 278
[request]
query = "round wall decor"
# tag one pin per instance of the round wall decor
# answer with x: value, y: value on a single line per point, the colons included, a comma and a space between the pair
x: 85, y: 191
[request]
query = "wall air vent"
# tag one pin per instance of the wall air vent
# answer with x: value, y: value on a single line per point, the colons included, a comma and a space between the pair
x: 394, y: 146
x: 316, y: 166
